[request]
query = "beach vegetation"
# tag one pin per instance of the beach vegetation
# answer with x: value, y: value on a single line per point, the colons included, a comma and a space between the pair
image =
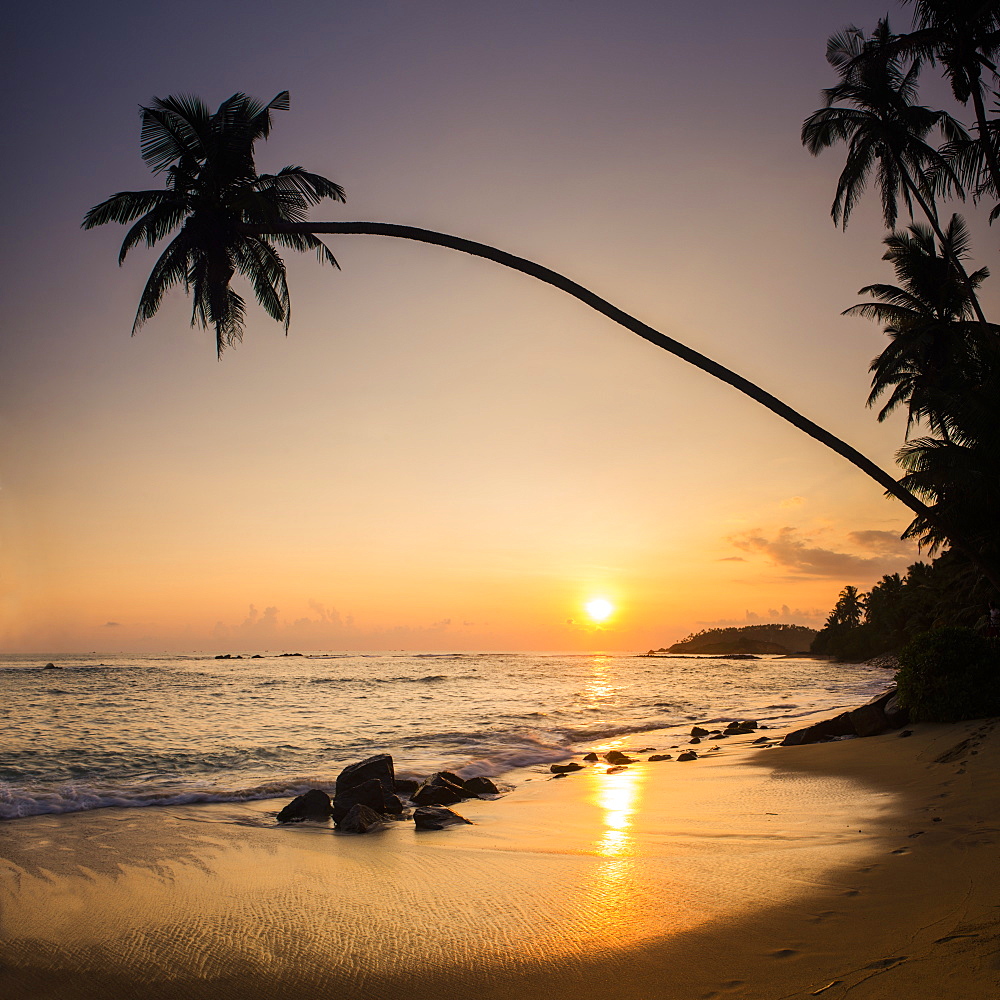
x: 942, y: 363
x: 948, y: 674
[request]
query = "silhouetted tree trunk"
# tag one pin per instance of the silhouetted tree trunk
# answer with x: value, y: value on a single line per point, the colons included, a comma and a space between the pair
x: 621, y: 317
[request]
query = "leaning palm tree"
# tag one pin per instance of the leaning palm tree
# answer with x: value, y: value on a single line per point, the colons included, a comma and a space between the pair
x: 229, y: 217
x: 938, y: 351
x: 212, y: 190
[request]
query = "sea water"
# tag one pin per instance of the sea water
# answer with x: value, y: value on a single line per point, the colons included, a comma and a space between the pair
x: 104, y: 731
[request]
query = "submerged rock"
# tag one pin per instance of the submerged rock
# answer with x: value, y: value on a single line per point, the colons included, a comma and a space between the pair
x: 662, y: 756
x: 617, y: 757
x: 433, y: 818
x: 688, y: 755
x: 314, y: 804
x: 565, y: 768
x: 616, y: 769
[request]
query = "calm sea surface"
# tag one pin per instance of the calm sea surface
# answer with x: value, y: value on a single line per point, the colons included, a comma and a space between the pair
x: 127, y: 731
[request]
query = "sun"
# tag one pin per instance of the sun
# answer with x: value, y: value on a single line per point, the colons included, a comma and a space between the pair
x: 599, y: 609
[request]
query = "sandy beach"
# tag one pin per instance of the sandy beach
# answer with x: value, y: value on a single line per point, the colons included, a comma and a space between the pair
x: 865, y: 868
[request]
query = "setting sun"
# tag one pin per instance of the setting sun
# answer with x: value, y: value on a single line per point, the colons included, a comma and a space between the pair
x: 599, y: 609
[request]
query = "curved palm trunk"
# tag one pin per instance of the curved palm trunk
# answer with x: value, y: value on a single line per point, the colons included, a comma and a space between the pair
x: 621, y: 317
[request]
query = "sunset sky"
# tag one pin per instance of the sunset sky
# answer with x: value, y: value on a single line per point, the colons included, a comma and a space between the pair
x: 443, y: 454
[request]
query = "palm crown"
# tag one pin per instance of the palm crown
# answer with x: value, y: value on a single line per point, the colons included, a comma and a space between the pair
x: 937, y: 349
x: 872, y: 111
x: 213, y: 191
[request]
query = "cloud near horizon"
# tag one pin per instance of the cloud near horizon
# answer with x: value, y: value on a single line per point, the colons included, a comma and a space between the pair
x: 787, y: 549
x: 784, y: 616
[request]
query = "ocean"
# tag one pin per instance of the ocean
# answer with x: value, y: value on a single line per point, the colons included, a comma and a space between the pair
x: 117, y: 731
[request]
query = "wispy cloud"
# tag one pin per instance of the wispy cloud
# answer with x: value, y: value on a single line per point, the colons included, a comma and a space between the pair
x: 791, y: 551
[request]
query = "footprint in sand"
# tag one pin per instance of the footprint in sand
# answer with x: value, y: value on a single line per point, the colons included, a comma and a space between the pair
x: 818, y: 918
x: 954, y: 937
x: 901, y: 850
x: 867, y: 869
x: 784, y: 953
x: 919, y: 833
x: 851, y: 892
x: 886, y: 963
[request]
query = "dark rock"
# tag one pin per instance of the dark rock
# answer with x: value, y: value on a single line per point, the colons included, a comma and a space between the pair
x: 360, y: 819
x: 871, y: 719
x: 225, y: 656
x: 762, y: 739
x: 481, y: 786
x: 379, y: 766
x: 907, y: 732
x: 647, y: 750
x: 430, y: 818
x: 616, y: 769
x: 763, y: 726
x: 314, y: 804
x: 688, y: 755
x: 617, y: 757
x: 447, y: 778
x: 698, y: 731
x: 561, y: 774
x: 369, y: 793
x: 51, y: 666
x: 392, y: 804
x: 591, y: 756
x: 565, y: 768
x: 256, y: 656
x: 896, y: 715
x: 741, y: 727
x: 661, y: 756
x: 405, y: 786
x: 695, y: 739
x: 820, y: 732
x: 437, y: 795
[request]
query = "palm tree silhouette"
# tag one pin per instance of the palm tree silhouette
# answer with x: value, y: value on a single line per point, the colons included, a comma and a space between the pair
x: 872, y: 111
x: 945, y: 367
x: 964, y: 36
x: 938, y: 352
x: 212, y: 191
x: 226, y: 210
x: 884, y: 131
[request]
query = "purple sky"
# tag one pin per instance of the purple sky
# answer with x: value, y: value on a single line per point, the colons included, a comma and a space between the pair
x: 438, y: 441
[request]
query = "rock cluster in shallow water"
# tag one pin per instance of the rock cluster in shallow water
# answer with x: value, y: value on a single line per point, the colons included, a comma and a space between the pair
x: 368, y: 795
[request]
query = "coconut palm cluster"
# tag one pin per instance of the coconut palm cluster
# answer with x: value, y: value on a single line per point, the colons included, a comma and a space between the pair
x: 941, y: 365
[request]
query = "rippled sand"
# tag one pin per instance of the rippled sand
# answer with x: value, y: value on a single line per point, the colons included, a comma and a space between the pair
x: 748, y: 874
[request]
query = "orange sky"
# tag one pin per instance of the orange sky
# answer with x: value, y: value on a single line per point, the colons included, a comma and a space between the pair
x: 442, y: 454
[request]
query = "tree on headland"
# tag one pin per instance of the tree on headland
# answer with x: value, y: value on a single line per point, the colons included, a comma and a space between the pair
x: 230, y: 217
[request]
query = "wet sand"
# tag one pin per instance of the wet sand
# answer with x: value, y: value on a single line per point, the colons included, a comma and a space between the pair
x: 866, y: 868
